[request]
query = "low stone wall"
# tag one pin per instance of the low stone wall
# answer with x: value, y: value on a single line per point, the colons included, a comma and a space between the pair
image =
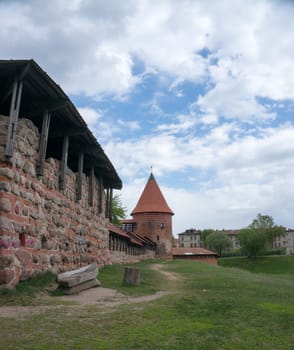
x: 42, y: 228
x: 121, y: 257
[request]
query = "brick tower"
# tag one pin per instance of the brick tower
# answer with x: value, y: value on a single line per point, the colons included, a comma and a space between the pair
x: 152, y: 218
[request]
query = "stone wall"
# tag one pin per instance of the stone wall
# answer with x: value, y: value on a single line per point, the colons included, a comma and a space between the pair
x: 42, y: 228
x: 121, y: 257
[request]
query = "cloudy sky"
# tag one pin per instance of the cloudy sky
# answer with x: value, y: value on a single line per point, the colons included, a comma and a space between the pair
x: 202, y: 91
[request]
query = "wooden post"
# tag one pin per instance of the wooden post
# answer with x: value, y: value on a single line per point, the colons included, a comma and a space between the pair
x: 80, y: 176
x: 13, y: 117
x: 108, y: 213
x: 100, y: 195
x: 131, y: 276
x: 63, y: 166
x: 110, y: 205
x: 91, y: 187
x: 43, y: 143
x: 107, y: 203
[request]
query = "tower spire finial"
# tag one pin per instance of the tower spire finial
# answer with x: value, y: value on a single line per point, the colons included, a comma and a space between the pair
x: 151, y: 168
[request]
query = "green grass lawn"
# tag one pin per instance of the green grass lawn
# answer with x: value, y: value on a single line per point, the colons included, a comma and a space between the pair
x: 263, y: 264
x: 208, y: 308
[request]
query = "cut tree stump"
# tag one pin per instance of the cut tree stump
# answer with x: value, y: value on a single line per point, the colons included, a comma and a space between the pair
x: 131, y: 276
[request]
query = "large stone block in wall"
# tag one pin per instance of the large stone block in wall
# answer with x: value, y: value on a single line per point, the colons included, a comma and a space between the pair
x: 6, y: 276
x: 5, y: 224
x: 24, y: 257
x: 5, y: 205
x: 5, y: 261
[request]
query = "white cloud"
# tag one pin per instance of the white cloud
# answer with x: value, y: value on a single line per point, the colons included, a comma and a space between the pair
x: 274, y: 150
x: 88, y: 46
x: 133, y: 125
x: 184, y: 123
x: 90, y: 115
x: 232, y: 96
x: 245, y: 176
x: 108, y: 72
x: 218, y: 150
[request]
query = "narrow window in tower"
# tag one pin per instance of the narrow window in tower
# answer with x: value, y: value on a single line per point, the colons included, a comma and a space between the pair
x: 158, y: 238
x: 162, y: 225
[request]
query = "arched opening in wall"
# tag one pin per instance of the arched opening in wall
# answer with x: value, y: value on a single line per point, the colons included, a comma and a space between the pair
x: 162, y: 225
x: 158, y: 238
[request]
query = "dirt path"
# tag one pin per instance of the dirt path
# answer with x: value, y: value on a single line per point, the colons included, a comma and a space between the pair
x: 170, y: 276
x: 98, y: 296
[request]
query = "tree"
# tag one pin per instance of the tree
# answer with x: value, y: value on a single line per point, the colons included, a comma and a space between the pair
x: 205, y: 233
x: 262, y: 221
x: 259, y: 235
x: 118, y: 211
x: 252, y: 241
x: 218, y: 241
x: 267, y: 223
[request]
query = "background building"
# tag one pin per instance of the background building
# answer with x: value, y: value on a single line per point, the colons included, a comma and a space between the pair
x: 190, y: 238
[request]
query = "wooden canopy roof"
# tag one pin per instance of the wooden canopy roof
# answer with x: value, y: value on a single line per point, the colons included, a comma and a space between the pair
x: 40, y: 93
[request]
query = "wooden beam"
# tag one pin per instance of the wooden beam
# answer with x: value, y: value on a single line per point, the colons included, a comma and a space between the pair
x: 80, y: 176
x: 13, y: 118
x: 25, y: 71
x: 63, y: 165
x: 43, y: 143
x: 108, y: 211
x: 100, y: 195
x: 93, y: 150
x: 68, y: 132
x: 91, y: 187
x: 19, y: 78
x: 110, y: 205
x: 107, y: 203
x: 50, y: 107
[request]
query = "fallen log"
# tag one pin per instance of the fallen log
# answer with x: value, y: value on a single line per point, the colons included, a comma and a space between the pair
x: 80, y: 287
x: 75, y: 277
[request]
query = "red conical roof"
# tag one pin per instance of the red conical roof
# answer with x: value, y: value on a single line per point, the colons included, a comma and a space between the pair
x: 152, y: 199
